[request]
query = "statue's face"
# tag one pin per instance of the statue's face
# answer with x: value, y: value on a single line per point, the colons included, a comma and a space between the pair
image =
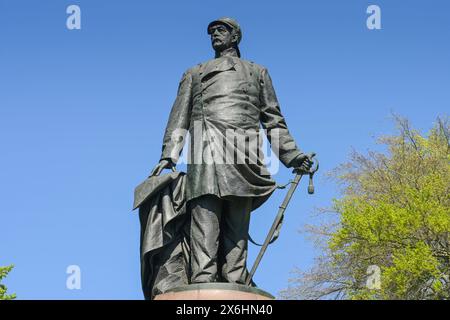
x: 222, y: 37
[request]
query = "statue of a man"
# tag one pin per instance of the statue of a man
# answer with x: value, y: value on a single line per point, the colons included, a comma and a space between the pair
x: 223, y: 95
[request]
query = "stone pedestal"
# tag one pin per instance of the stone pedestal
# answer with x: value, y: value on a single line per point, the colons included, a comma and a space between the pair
x: 215, y: 291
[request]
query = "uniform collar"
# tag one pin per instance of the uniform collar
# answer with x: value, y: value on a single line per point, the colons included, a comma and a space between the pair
x: 230, y: 52
x: 217, y: 65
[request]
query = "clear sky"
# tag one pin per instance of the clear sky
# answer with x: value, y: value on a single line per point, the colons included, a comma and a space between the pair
x: 82, y: 114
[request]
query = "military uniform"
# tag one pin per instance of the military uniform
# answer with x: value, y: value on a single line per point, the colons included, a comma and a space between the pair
x: 221, y: 95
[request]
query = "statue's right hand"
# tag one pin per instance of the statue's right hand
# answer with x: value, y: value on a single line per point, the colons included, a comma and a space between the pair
x: 163, y: 164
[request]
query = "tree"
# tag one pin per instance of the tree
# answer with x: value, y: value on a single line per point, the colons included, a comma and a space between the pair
x: 3, y: 273
x: 393, y: 216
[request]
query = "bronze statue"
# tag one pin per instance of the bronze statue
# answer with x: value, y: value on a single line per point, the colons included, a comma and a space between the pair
x: 225, y: 94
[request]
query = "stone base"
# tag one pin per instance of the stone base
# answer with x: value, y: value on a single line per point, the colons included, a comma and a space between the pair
x: 215, y: 291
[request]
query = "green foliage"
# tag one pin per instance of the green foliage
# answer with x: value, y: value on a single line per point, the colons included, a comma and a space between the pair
x: 3, y: 273
x: 394, y: 213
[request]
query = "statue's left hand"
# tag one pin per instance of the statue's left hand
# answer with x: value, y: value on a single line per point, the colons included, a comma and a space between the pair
x: 303, y: 162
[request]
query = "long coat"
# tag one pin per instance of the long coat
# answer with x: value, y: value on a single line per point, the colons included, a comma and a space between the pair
x: 218, y: 97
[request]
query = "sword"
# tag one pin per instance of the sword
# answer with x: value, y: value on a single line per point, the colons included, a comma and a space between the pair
x: 280, y: 215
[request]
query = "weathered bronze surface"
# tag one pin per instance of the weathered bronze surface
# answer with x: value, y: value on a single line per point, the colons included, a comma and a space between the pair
x: 221, y: 95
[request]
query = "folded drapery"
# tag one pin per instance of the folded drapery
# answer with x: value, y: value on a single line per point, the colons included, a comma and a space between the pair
x: 164, y: 233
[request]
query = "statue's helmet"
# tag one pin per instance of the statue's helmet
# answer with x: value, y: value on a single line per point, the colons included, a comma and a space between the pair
x: 230, y: 22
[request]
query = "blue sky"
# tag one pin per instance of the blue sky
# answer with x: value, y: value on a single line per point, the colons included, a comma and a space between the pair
x: 82, y: 114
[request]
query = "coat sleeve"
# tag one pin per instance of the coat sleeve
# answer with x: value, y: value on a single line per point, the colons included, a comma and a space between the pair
x: 281, y: 141
x: 178, y: 123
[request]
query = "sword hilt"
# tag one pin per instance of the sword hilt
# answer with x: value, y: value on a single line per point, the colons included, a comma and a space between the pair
x: 278, y: 219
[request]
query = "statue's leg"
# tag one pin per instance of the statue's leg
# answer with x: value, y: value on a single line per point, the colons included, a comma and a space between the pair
x: 205, y: 227
x: 234, y: 238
